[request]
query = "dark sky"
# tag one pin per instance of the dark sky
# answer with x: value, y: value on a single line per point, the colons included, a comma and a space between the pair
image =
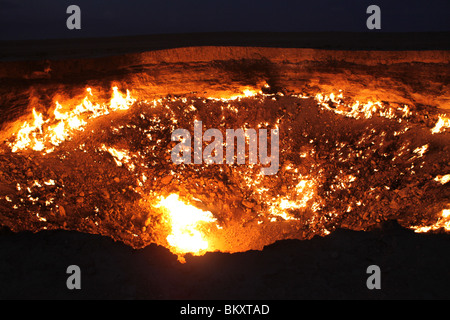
x: 41, y: 19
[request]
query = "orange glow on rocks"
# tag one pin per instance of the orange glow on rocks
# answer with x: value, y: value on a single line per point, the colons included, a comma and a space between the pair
x: 105, y: 167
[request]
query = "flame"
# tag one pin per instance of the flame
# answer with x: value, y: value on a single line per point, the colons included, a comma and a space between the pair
x: 250, y: 93
x: 186, y: 222
x: 420, y: 151
x: 120, y: 156
x: 443, y: 179
x: 119, y: 102
x: 357, y: 109
x: 246, y: 92
x: 443, y: 222
x: 303, y: 192
x: 44, y: 135
x: 442, y: 124
x: 23, y: 136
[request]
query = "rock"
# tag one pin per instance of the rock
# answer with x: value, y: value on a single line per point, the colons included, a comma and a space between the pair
x: 403, y: 193
x: 166, y: 179
x: 52, y: 175
x: 248, y: 204
x: 80, y: 200
x: 62, y: 211
x: 105, y: 194
x: 116, y: 179
x: 394, y: 205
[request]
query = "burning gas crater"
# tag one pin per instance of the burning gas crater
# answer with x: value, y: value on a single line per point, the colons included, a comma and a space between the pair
x: 105, y: 168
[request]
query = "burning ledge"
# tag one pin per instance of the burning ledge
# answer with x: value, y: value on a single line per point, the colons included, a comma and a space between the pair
x: 363, y: 138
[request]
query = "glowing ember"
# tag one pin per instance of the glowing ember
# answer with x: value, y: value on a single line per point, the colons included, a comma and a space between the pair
x: 186, y: 223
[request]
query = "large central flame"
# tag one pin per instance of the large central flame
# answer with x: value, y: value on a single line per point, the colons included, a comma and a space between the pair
x: 186, y: 223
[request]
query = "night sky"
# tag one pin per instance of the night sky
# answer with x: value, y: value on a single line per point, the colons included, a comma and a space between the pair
x: 45, y: 19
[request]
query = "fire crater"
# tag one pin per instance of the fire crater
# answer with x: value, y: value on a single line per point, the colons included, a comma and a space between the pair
x: 105, y: 166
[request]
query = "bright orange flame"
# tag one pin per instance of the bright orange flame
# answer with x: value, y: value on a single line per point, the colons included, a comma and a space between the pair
x: 304, y: 191
x: 120, y: 156
x: 186, y: 222
x: 443, y: 179
x: 44, y: 135
x: 442, y: 124
x: 443, y: 222
x: 23, y: 136
x: 250, y: 93
x: 357, y: 109
x: 39, y: 137
x: 245, y: 93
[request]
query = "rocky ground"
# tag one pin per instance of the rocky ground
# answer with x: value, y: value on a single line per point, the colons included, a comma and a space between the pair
x: 335, y: 170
